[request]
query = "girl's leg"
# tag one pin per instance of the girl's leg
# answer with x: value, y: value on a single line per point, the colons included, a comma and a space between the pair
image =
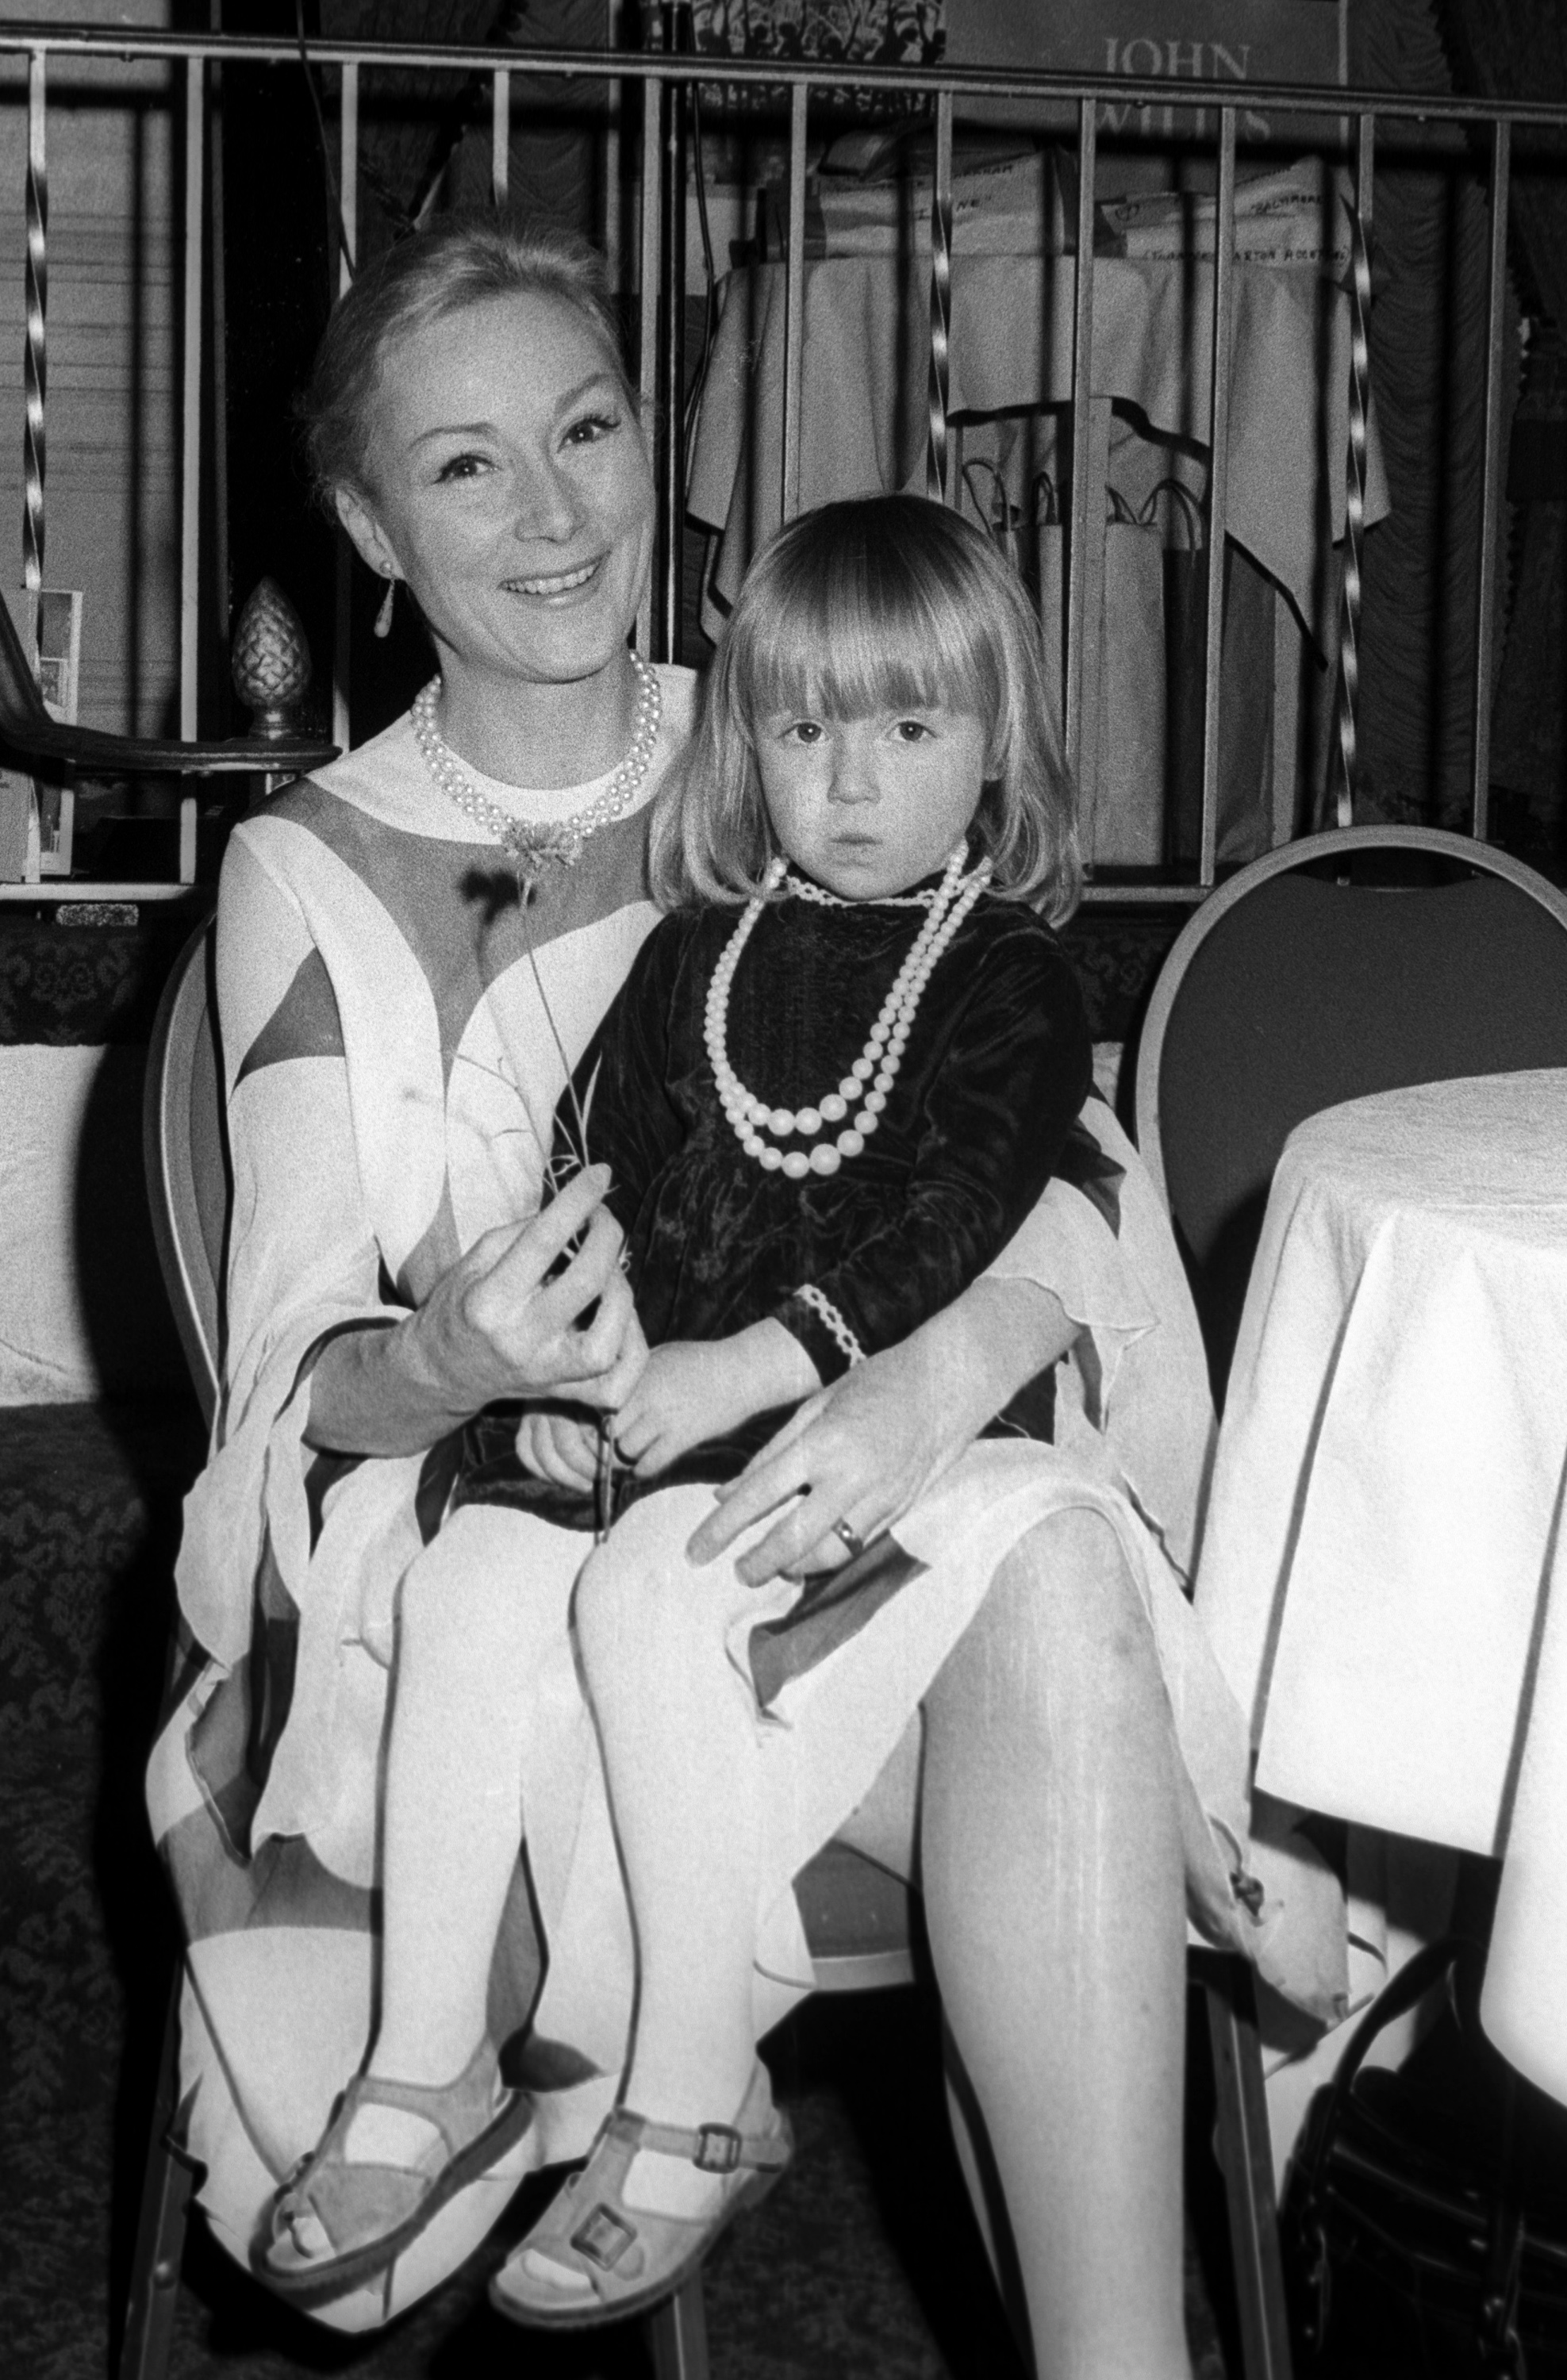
x: 472, y: 1634
x: 1051, y: 1869
x: 678, y: 1732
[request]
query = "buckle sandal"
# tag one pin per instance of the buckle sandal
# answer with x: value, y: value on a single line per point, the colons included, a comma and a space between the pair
x: 634, y: 2257
x: 372, y: 2212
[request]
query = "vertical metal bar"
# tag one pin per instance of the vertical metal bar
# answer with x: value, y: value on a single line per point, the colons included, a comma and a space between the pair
x: 1347, y: 693
x: 1095, y: 661
x: 677, y: 2334
x: 1247, y: 2157
x: 795, y: 301
x: 614, y: 103
x: 938, y: 471
x: 217, y: 410
x: 349, y: 175
x: 672, y: 349
x: 1077, y: 626
x: 1218, y: 486
x: 1364, y: 168
x: 647, y: 364
x: 501, y: 136
x: 1485, y: 624
x: 34, y: 357
x: 147, y: 2340
x: 190, y: 414
x: 348, y: 189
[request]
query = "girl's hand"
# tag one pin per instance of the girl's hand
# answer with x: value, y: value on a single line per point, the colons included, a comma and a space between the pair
x: 561, y: 1447
x: 863, y: 1450
x: 695, y: 1391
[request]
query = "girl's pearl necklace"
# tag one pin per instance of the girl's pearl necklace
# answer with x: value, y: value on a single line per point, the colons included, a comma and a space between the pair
x: 557, y: 841
x: 804, y: 890
x: 878, y: 1063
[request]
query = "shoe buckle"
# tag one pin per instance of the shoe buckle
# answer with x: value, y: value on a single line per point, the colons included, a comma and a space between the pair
x: 603, y: 2238
x: 719, y: 2148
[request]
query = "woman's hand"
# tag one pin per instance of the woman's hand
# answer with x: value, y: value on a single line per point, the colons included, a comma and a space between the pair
x: 494, y: 1325
x: 863, y: 1450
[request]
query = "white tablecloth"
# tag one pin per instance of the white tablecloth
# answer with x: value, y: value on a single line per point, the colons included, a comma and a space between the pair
x: 1382, y: 1574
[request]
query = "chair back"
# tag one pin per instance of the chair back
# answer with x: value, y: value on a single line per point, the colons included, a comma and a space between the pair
x: 185, y: 1153
x: 1364, y: 960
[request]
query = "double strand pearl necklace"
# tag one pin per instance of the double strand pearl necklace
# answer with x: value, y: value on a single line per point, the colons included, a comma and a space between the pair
x: 556, y: 841
x: 878, y: 1063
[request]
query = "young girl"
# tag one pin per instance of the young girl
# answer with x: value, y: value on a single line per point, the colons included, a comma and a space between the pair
x: 837, y: 1079
x: 835, y: 1083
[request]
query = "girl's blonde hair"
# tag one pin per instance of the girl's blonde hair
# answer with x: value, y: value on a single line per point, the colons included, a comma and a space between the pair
x: 861, y: 607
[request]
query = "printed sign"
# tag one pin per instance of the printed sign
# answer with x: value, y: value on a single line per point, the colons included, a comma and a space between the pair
x: 1165, y: 40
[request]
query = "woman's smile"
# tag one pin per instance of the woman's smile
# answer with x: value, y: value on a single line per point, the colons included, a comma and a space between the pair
x: 561, y: 583
x: 512, y: 491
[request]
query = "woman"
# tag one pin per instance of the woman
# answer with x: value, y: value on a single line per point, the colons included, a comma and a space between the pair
x: 413, y: 951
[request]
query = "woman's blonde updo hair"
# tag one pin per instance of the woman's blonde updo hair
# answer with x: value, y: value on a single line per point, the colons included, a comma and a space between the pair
x: 862, y: 607
x: 460, y: 262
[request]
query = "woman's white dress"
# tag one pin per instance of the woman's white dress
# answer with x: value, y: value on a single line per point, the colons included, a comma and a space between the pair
x: 396, y: 1030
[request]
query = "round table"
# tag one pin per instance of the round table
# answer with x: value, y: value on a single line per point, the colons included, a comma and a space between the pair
x: 1383, y: 1572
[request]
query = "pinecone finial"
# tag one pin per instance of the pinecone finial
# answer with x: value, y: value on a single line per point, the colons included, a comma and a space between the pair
x: 270, y: 661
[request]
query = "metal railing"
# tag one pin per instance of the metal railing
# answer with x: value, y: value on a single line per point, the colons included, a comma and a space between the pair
x: 662, y: 80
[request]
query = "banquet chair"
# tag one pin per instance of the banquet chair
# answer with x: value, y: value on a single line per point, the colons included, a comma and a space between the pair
x: 1367, y: 959
x: 859, y: 1921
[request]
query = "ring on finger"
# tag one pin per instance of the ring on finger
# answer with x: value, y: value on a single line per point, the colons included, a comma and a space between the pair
x: 851, y: 1538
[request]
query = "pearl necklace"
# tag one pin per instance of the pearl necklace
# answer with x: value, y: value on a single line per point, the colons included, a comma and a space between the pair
x: 878, y: 1063
x: 556, y: 841
x: 804, y: 890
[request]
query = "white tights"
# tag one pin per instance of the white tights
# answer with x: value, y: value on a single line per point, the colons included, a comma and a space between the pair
x: 1048, y: 1858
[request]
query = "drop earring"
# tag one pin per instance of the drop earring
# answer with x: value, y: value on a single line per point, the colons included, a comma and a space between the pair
x: 384, y: 617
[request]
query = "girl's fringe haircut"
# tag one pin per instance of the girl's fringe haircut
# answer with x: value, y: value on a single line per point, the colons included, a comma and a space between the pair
x: 858, y: 607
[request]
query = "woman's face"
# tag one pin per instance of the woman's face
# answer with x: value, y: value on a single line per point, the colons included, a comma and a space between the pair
x: 511, y: 488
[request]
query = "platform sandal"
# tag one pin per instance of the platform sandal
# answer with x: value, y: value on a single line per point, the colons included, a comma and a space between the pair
x: 634, y: 2257
x: 372, y: 2212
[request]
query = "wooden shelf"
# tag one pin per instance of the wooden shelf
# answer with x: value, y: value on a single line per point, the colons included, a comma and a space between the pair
x: 66, y: 888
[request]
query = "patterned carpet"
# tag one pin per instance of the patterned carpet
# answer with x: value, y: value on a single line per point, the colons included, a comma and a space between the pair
x: 864, y: 2262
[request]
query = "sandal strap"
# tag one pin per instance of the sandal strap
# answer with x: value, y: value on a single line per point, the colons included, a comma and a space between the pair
x: 711, y: 2148
x: 457, y: 2110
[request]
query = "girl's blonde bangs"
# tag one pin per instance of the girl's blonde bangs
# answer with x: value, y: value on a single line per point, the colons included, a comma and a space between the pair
x: 853, y: 635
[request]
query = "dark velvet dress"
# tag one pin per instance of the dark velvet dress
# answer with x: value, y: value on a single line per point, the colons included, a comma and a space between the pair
x: 996, y: 1069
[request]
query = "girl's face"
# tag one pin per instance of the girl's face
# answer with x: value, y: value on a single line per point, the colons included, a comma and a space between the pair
x: 869, y: 805
x: 512, y: 488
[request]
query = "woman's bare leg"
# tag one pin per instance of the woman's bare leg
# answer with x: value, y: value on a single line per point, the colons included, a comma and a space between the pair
x: 1052, y: 1867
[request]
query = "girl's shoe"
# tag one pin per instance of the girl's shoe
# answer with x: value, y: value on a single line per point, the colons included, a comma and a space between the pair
x: 372, y: 2212
x: 631, y: 2258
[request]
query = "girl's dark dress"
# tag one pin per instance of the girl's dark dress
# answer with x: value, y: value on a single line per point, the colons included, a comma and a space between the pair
x: 995, y: 1070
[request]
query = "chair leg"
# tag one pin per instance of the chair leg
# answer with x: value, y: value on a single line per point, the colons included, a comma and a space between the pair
x: 1248, y: 2169
x: 160, y: 2231
x: 678, y: 2333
